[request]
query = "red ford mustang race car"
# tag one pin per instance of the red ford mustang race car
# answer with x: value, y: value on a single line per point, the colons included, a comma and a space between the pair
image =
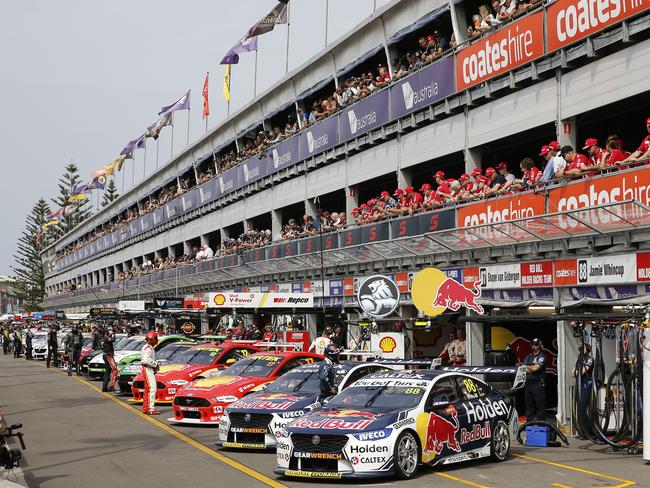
x: 190, y: 365
x: 203, y: 401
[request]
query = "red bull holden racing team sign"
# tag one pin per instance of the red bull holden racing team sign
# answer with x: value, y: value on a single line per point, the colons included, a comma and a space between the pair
x: 433, y: 293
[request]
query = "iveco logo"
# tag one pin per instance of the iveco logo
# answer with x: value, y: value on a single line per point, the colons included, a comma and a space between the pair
x: 315, y: 440
x: 247, y: 417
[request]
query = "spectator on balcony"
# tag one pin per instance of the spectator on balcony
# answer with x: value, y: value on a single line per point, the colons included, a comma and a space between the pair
x: 578, y: 164
x: 597, y: 155
x: 488, y: 20
x: 429, y: 197
x: 497, y: 182
x: 468, y: 187
x: 502, y: 168
x: 643, y: 151
x: 414, y: 199
x: 531, y: 175
x: 549, y: 169
x: 383, y: 76
x: 443, y: 191
x: 390, y: 204
x: 614, y: 153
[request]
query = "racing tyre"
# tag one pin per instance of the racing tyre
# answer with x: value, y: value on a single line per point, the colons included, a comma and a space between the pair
x: 500, y: 443
x: 406, y: 456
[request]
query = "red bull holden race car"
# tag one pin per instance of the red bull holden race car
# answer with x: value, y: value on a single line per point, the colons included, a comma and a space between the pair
x: 203, y: 401
x: 391, y: 423
x: 189, y: 365
x: 254, y: 421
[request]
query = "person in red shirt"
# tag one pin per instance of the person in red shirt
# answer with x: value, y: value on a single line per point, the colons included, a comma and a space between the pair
x: 389, y: 204
x: 383, y: 76
x: 402, y: 202
x: 614, y: 153
x: 429, y: 199
x: 414, y: 199
x: 467, y: 186
x: 530, y: 173
x: 555, y: 146
x: 597, y: 155
x: 577, y: 163
x: 355, y: 214
x: 443, y: 191
x: 643, y: 151
x: 482, y: 186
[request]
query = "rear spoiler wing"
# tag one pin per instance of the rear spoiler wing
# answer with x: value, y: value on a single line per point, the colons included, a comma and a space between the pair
x: 519, y: 372
x: 290, y: 346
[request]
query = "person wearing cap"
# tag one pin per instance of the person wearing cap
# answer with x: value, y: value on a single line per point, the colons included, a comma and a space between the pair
x: 414, y: 199
x: 535, y: 382
x: 383, y: 76
x: 555, y: 147
x: 597, y: 155
x: 584, y: 369
x: 547, y: 153
x: 530, y: 173
x: 482, y: 187
x: 467, y: 187
x: 390, y: 204
x: 429, y: 199
x: 577, y: 163
x: 443, y: 191
x: 498, y: 182
x: 502, y: 168
x: 643, y: 151
x: 615, y: 154
x: 355, y: 214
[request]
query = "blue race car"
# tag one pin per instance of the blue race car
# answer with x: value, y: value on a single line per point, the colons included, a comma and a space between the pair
x: 390, y: 423
x: 255, y: 421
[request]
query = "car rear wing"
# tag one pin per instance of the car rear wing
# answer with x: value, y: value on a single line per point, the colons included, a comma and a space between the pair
x: 519, y: 372
x: 287, y: 346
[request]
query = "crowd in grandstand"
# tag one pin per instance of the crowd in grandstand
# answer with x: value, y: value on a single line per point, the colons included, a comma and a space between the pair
x: 501, y: 11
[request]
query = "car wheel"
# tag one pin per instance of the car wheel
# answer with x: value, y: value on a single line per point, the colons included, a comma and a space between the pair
x: 406, y: 456
x: 500, y: 444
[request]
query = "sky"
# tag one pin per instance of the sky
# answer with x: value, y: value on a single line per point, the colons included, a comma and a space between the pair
x: 80, y: 79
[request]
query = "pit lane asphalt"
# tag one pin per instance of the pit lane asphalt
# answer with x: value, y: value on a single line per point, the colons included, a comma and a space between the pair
x: 77, y: 437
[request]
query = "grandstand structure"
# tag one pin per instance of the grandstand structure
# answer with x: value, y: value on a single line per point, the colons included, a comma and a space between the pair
x: 541, y: 77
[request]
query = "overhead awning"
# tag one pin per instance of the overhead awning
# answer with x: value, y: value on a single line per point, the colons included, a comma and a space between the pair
x: 359, y: 61
x: 315, y: 88
x: 418, y: 24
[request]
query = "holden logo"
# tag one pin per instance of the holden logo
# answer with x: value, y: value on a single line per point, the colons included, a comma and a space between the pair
x: 378, y: 296
x: 315, y: 440
x: 407, y: 92
x: 247, y: 417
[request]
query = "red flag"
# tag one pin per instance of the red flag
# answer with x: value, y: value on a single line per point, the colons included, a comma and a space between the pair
x: 206, y: 103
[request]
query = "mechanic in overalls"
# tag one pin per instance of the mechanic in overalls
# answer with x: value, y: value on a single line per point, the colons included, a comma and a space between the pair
x: 110, y: 367
x: 536, y: 383
x: 585, y: 368
x: 149, y: 370
x: 327, y: 372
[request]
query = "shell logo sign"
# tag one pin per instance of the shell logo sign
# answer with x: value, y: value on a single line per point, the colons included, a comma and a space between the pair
x: 387, y: 344
x: 219, y: 299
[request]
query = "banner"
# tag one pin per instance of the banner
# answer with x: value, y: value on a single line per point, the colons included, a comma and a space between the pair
x: 423, y: 88
x: 511, y: 46
x: 319, y: 137
x: 368, y: 114
x: 260, y: 300
x: 503, y: 209
x: 131, y: 305
x: 568, y: 21
x: 596, y: 270
x: 252, y: 170
x: 283, y: 155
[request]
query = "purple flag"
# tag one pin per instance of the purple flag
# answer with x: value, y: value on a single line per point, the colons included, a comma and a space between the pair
x: 132, y: 145
x: 279, y: 15
x: 246, y: 44
x: 182, y: 103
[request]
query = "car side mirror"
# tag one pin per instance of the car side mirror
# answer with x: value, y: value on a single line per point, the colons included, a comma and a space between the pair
x: 230, y: 362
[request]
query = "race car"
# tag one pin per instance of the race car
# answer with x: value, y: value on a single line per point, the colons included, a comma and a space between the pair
x: 390, y: 423
x: 128, y: 372
x: 39, y: 345
x: 203, y: 401
x: 130, y: 353
x: 121, y: 340
x: 253, y: 421
x: 190, y: 365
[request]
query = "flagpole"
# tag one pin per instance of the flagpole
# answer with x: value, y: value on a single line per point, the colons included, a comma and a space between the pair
x: 188, y: 118
x: 144, y: 164
x: 123, y: 175
x: 171, y: 151
x: 286, y: 69
x: 133, y: 170
x: 255, y: 83
x: 157, y: 150
x: 327, y: 18
x: 229, y: 90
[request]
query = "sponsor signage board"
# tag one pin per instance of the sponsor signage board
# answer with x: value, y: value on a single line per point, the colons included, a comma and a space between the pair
x: 167, y: 303
x: 423, y: 88
x: 252, y: 170
x: 368, y: 114
x: 131, y: 305
x: 596, y: 270
x: 568, y: 21
x: 513, y: 45
x: 260, y: 300
x: 319, y: 137
x: 503, y: 209
x: 433, y: 292
x: 378, y: 296
x: 283, y: 155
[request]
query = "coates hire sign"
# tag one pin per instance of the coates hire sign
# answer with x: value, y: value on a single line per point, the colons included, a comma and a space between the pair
x: 513, y: 45
x: 568, y: 21
x: 261, y: 300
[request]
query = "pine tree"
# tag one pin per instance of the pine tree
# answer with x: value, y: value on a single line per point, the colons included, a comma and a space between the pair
x: 28, y: 268
x: 110, y: 193
x: 78, y: 211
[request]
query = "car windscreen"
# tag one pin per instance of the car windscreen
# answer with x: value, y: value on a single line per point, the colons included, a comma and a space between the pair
x: 301, y: 381
x: 135, y: 345
x: 172, y: 351
x: 258, y: 366
x: 198, y: 355
x: 121, y: 344
x: 88, y: 341
x: 378, y: 396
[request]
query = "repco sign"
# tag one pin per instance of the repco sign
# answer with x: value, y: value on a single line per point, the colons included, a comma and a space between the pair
x: 511, y: 46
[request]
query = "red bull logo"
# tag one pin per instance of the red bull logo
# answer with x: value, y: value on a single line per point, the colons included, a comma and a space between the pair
x: 433, y: 293
x: 348, y: 413
x: 441, y: 432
